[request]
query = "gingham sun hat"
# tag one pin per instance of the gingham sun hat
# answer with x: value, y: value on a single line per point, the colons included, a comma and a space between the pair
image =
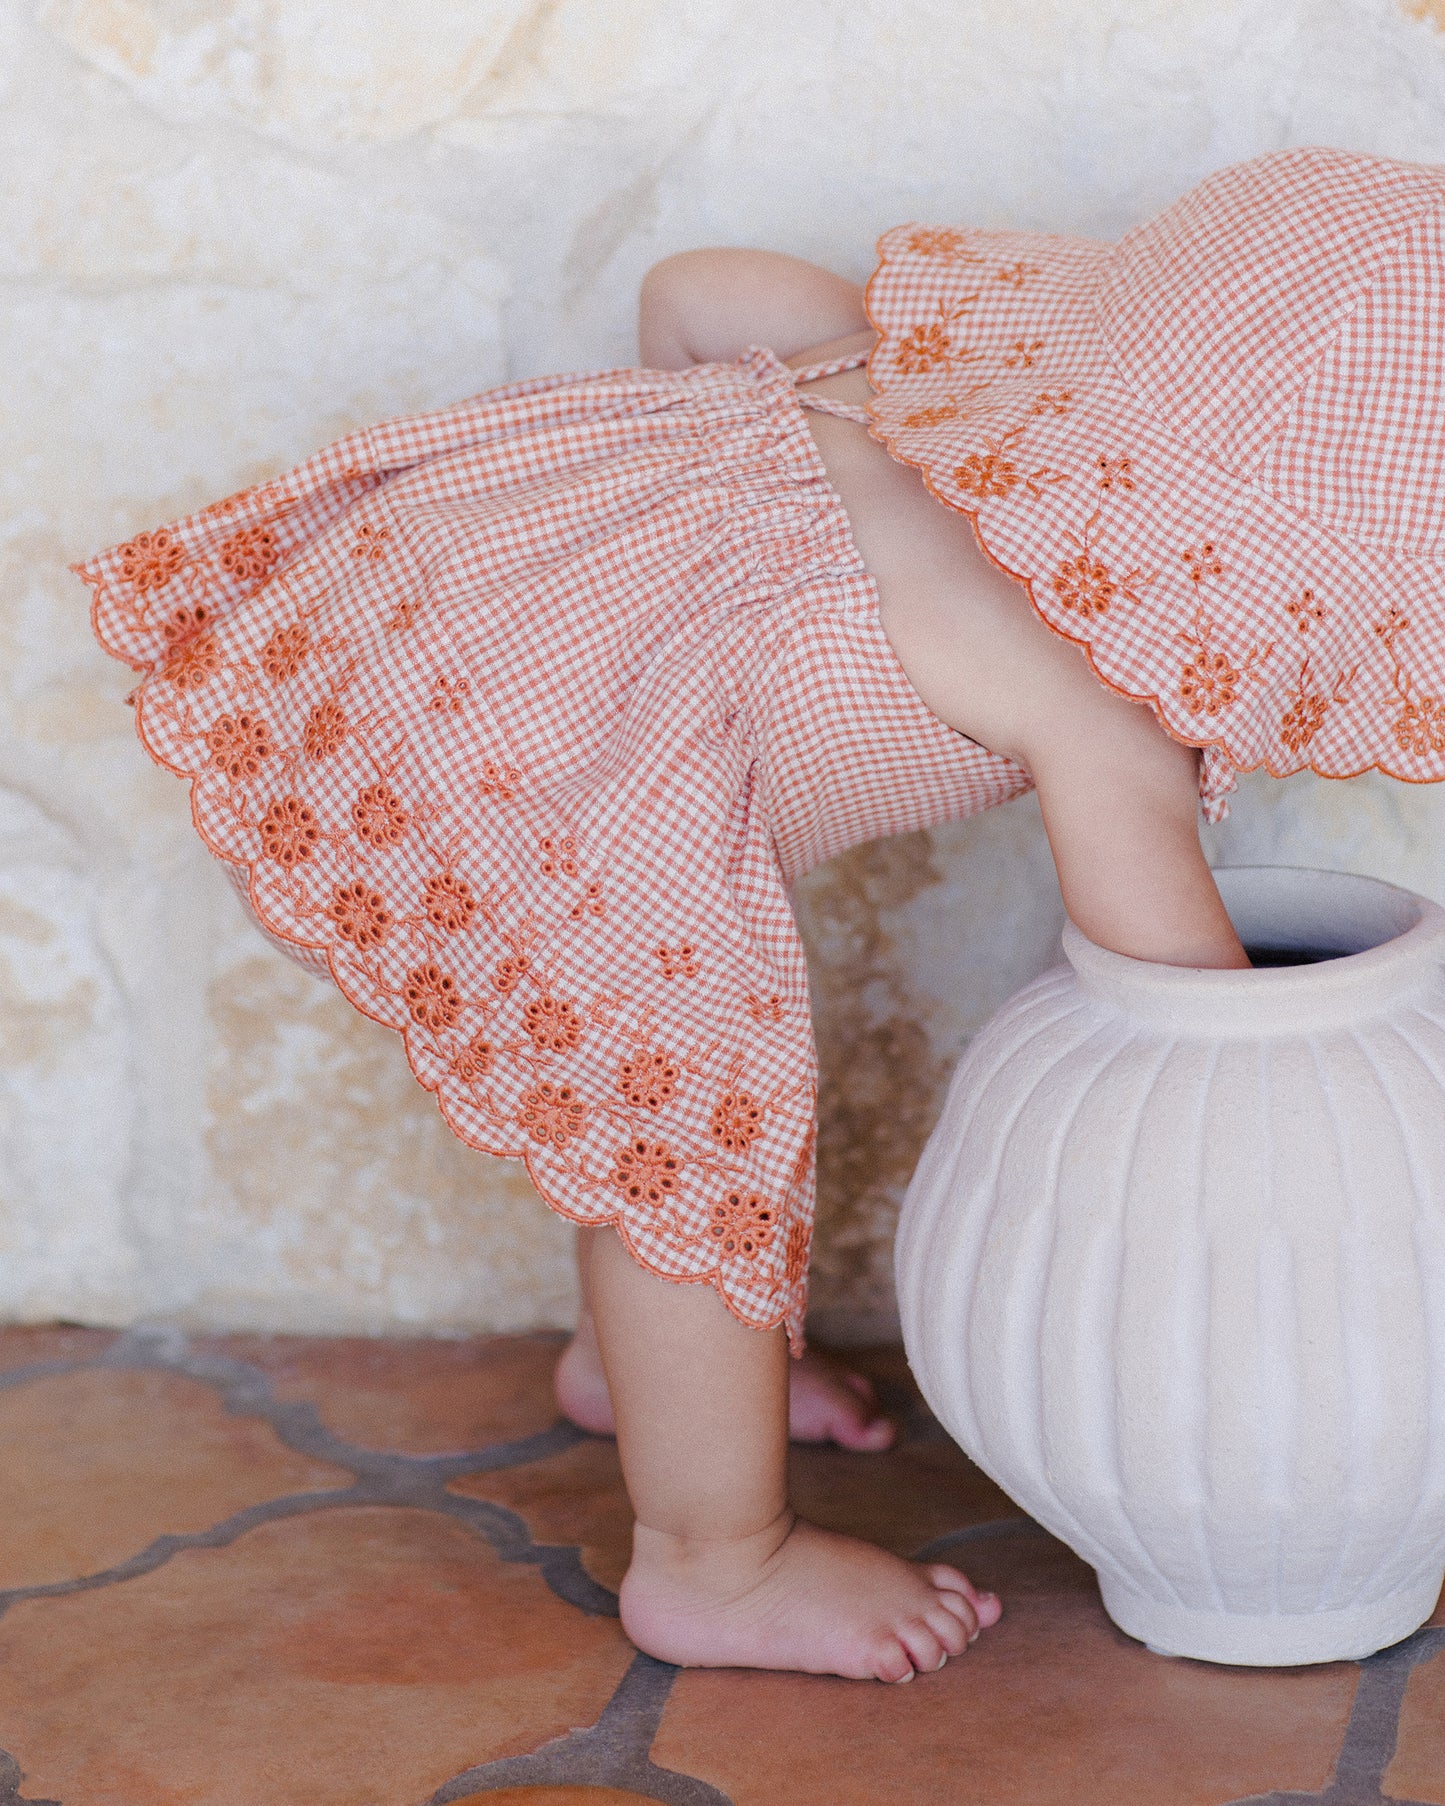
x: 1214, y: 452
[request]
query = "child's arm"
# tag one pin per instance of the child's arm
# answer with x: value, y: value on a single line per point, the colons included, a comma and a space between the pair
x: 708, y: 306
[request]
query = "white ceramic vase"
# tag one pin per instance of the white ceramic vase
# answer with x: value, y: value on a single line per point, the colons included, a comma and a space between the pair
x: 1172, y: 1270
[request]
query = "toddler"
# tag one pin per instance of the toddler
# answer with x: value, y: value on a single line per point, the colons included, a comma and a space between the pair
x: 518, y: 720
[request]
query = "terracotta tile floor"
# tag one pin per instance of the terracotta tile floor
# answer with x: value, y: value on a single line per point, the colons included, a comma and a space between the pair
x: 242, y: 1571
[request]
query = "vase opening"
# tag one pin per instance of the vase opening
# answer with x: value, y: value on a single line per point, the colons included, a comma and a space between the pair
x: 1260, y: 957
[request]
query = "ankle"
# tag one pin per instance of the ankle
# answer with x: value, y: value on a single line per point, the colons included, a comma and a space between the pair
x: 741, y: 1546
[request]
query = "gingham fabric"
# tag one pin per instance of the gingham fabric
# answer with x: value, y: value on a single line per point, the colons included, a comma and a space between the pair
x: 519, y: 719
x: 1215, y: 453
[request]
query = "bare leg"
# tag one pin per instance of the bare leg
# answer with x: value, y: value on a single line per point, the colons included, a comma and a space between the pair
x: 724, y: 1573
x: 827, y: 1400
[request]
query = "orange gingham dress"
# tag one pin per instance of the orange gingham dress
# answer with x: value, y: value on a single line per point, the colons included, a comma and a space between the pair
x: 519, y: 719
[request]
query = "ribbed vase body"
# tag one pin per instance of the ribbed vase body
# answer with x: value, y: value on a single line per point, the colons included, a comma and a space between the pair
x: 1172, y: 1270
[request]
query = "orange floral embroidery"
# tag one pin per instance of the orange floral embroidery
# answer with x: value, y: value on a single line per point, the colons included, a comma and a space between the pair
x: 370, y: 541
x: 763, y: 1009
x: 284, y: 653
x: 1302, y: 721
x: 552, y: 1023
x: 683, y: 961
x: 947, y: 410
x: 431, y: 997
x: 552, y: 1114
x: 1115, y: 473
x: 1420, y: 727
x: 249, y: 552
x: 1305, y: 611
x: 449, y: 695
x: 646, y: 1171
x: 449, y: 902
x: 150, y: 560
x: 289, y: 832
x: 987, y: 474
x: 403, y: 614
x: 559, y: 856
x: 1203, y: 561
x: 925, y: 348
x: 193, y: 662
x: 742, y: 1224
x: 379, y: 816
x: 326, y: 728
x: 360, y: 915
x: 940, y: 241
x: 239, y: 745
x: 1023, y: 354
x: 475, y: 1060
x: 1085, y: 585
x: 795, y: 1260
x: 1209, y: 683
x: 1053, y: 401
x: 737, y: 1121
x: 508, y: 974
x: 589, y: 904
x: 499, y: 780
x: 1016, y: 274
x: 648, y: 1080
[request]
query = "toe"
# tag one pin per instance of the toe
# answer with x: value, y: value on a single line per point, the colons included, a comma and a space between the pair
x: 893, y: 1663
x: 954, y: 1626
x: 925, y: 1650
x: 986, y: 1607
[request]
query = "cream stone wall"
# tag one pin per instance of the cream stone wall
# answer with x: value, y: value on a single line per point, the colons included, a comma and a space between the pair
x: 232, y: 229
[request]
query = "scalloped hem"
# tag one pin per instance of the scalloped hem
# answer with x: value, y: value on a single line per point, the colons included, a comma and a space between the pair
x: 1222, y: 766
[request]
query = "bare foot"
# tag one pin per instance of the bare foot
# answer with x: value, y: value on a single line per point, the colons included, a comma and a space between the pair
x: 827, y: 1402
x: 797, y: 1596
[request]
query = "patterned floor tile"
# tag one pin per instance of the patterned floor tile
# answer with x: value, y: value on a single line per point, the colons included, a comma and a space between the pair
x: 556, y: 1796
x: 1418, y: 1770
x: 1054, y: 1705
x: 574, y: 1497
x: 357, y: 1656
x: 99, y: 1463
x: 414, y: 1395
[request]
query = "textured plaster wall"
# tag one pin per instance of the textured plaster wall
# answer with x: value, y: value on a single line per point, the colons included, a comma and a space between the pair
x: 232, y: 229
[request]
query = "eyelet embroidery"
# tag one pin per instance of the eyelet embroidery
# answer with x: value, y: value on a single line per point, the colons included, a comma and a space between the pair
x: 1202, y: 561
x: 449, y: 695
x: 553, y: 1024
x: 499, y: 780
x: 1115, y: 473
x: 1305, y: 611
x: 249, y: 553
x: 683, y: 961
x: 475, y: 1061
x: 589, y: 903
x: 1023, y: 354
x: 559, y: 855
x: 449, y: 902
x: 360, y: 915
x: 150, y: 560
x: 290, y: 832
x: 552, y: 1114
x: 943, y: 242
x: 1209, y: 682
x: 371, y: 542
x: 285, y: 652
x: 742, y: 1223
x: 326, y: 728
x: 1016, y: 274
x: 240, y: 745
x: 737, y: 1121
x: 647, y: 1171
x: 648, y: 1079
x: 431, y: 997
x: 763, y: 1009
